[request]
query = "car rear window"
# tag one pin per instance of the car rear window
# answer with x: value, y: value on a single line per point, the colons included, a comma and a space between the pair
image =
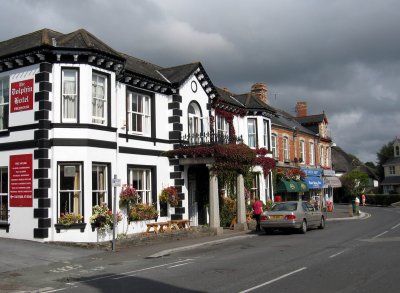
x: 292, y: 206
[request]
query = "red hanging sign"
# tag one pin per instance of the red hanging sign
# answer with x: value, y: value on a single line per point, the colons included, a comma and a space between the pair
x: 21, y: 180
x: 21, y: 96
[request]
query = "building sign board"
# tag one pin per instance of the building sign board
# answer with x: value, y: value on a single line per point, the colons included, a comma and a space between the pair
x: 312, y: 172
x: 21, y: 180
x: 21, y: 96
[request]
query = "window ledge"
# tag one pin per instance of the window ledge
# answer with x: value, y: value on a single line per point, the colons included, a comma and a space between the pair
x: 5, y: 226
x: 80, y: 226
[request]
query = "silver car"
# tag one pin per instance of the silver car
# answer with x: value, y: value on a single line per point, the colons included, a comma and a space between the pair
x: 299, y: 215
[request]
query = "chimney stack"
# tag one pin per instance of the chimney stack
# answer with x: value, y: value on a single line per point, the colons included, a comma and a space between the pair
x: 301, y: 109
x: 260, y: 90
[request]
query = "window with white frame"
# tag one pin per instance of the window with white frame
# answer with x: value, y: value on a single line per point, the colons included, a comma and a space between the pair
x: 99, y: 184
x: 70, y: 95
x: 274, y: 147
x: 266, y: 134
x: 140, y: 179
x: 195, y: 124
x: 4, y: 103
x: 4, y: 194
x: 286, y: 149
x: 255, y: 186
x: 392, y: 170
x: 222, y: 126
x: 327, y: 156
x: 302, y: 152
x: 99, y: 98
x: 139, y: 113
x: 312, y: 155
x: 252, y: 132
x: 321, y: 155
x: 70, y: 188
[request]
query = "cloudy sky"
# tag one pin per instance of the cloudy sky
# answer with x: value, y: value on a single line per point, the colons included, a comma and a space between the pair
x: 340, y: 56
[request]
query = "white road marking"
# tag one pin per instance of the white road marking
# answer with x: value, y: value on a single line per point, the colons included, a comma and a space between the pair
x: 56, y: 290
x: 380, y: 234
x: 274, y: 280
x: 336, y: 254
x: 130, y: 274
x: 183, y: 264
x: 394, y: 227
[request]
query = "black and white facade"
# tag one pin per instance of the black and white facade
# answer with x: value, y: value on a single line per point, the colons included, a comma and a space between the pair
x: 74, y: 112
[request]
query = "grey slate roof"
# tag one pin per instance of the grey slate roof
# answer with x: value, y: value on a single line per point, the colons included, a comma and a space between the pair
x: 392, y: 161
x: 176, y: 75
x: 142, y: 67
x: 285, y: 120
x: 391, y: 180
x: 253, y: 103
x: 228, y: 97
x: 312, y: 119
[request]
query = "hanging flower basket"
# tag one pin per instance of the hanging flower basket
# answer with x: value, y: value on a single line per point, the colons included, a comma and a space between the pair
x: 170, y: 196
x: 128, y: 196
x: 102, y: 218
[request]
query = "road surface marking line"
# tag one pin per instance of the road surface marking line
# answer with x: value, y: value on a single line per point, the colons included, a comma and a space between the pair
x: 274, y: 280
x: 394, y: 227
x: 56, y: 290
x: 129, y: 274
x: 336, y: 254
x: 182, y: 264
x: 380, y: 234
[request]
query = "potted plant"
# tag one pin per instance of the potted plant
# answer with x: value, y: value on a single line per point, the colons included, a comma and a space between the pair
x: 143, y: 211
x: 128, y: 196
x: 70, y: 221
x: 170, y: 196
x: 102, y: 218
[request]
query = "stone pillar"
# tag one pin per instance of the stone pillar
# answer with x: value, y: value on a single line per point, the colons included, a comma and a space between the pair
x: 214, y: 204
x: 241, y: 224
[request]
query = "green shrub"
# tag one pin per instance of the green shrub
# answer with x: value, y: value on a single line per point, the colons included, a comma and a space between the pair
x: 382, y: 199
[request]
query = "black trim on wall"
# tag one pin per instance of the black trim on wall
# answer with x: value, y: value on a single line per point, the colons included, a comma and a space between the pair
x: 135, y: 151
x: 87, y: 126
x: 143, y: 138
x: 40, y: 233
x: 42, y: 96
x: 83, y: 142
x: 18, y: 145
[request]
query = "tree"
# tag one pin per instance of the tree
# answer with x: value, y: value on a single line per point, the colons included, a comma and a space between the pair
x: 385, y: 153
x: 354, y: 183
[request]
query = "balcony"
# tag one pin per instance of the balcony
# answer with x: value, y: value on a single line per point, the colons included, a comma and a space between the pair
x: 207, y: 138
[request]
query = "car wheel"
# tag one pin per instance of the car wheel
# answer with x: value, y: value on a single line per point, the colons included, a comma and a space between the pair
x: 303, y: 228
x: 322, y: 223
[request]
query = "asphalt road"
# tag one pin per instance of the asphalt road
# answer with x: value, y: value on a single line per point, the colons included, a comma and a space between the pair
x: 347, y: 256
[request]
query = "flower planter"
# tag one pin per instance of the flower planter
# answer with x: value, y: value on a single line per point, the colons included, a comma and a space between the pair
x: 94, y: 226
x: 80, y: 226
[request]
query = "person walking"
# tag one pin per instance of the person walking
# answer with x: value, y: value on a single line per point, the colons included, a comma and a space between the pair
x: 363, y: 199
x: 257, y: 211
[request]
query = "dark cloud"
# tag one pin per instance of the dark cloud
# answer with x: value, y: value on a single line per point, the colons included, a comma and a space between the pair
x: 339, y: 56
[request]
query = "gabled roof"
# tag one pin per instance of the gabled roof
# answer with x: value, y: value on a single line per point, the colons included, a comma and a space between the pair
x: 285, y: 120
x: 228, y: 97
x: 28, y: 41
x: 143, y: 68
x: 81, y: 39
x: 312, y: 119
x: 178, y: 74
x: 253, y: 103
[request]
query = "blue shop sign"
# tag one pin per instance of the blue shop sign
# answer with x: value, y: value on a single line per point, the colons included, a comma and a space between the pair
x: 314, y: 182
x: 312, y: 172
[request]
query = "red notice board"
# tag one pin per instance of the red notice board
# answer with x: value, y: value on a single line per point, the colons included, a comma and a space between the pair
x: 21, y: 180
x: 21, y: 96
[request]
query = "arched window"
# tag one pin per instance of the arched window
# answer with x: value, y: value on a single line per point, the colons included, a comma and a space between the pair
x: 194, y: 122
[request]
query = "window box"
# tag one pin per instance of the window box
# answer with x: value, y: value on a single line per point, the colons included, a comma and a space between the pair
x: 80, y: 226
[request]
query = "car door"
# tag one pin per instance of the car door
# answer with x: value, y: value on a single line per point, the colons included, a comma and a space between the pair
x: 313, y: 215
x: 308, y: 214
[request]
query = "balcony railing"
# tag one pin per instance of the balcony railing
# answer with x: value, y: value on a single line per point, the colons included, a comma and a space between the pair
x: 207, y: 138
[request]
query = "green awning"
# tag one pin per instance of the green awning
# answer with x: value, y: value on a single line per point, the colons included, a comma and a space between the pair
x: 291, y: 186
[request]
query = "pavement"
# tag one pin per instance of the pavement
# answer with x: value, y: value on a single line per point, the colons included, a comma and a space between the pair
x: 21, y: 254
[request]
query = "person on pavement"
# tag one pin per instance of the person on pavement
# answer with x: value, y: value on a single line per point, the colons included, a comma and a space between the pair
x: 257, y: 211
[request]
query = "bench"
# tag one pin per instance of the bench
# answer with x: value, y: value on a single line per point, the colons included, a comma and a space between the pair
x: 161, y: 227
x: 181, y: 224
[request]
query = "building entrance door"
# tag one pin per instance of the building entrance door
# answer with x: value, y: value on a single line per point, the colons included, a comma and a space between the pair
x: 198, y: 193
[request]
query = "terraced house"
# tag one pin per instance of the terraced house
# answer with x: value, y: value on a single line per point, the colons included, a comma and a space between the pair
x: 77, y: 117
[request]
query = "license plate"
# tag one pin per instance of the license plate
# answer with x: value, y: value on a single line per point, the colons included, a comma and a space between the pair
x: 275, y: 217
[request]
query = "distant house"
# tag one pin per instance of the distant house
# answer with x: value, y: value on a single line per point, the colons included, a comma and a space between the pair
x: 343, y: 163
x: 391, y: 182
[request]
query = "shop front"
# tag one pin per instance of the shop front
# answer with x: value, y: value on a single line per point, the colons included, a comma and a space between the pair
x: 330, y: 182
x: 290, y: 189
x: 315, y: 186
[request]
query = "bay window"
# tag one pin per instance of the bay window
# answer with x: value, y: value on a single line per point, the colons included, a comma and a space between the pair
x: 69, y: 95
x: 99, y: 99
x: 99, y: 184
x: 252, y: 132
x: 70, y: 188
x: 4, y: 103
x: 139, y: 113
x: 140, y: 179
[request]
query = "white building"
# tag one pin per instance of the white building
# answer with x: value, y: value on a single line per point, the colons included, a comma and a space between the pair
x: 74, y: 113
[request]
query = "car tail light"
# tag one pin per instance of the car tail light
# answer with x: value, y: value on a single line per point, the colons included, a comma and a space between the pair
x: 290, y: 217
x: 264, y: 217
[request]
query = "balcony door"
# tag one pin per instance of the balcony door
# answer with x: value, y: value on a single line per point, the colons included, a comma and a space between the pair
x: 194, y: 123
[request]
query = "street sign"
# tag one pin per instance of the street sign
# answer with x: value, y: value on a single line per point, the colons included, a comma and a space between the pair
x: 116, y: 182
